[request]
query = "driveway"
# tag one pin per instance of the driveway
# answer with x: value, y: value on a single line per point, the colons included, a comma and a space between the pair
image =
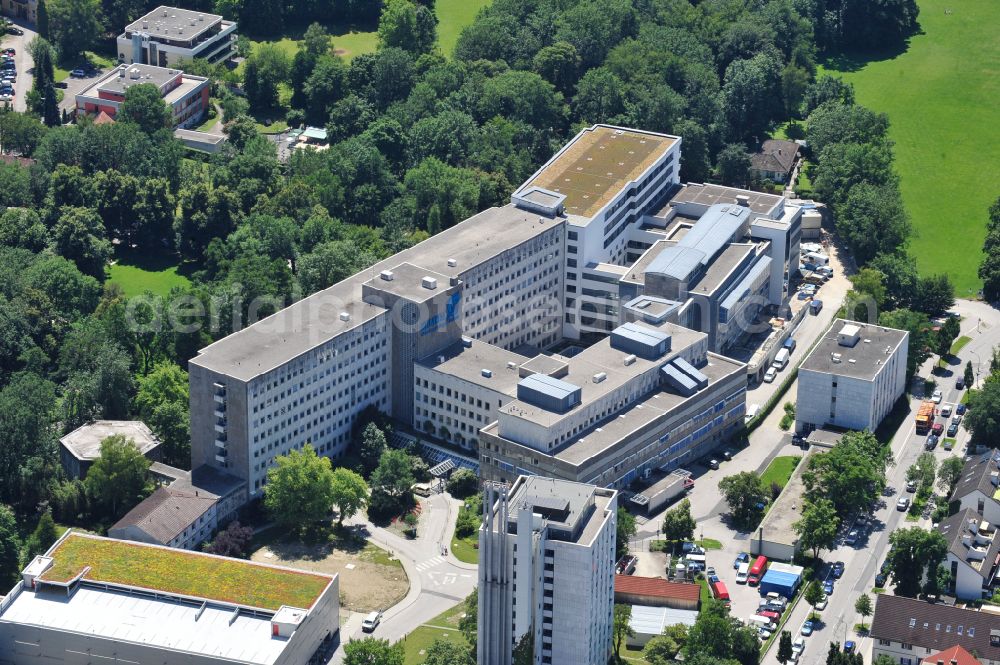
x: 437, y: 582
x: 75, y: 86
x: 25, y: 67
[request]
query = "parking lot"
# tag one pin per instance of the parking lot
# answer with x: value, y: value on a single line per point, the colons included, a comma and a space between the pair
x: 23, y: 62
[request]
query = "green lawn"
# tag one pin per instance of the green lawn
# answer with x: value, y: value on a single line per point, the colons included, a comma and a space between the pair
x: 464, y: 549
x: 709, y: 543
x: 177, y: 571
x: 941, y: 97
x: 779, y: 470
x: 453, y: 15
x: 138, y: 272
x: 444, y: 626
x: 959, y: 343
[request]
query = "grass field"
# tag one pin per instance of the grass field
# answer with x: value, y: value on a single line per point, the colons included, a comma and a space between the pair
x: 464, y: 550
x: 779, y: 470
x: 138, y: 272
x: 941, y: 96
x: 453, y: 15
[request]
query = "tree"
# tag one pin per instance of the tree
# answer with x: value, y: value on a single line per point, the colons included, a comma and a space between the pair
x: 851, y: 474
x: 813, y: 594
x: 863, y: 606
x: 662, y: 649
x: 74, y: 25
x: 817, y: 529
x: 913, y: 553
x: 751, y: 94
x: 10, y: 548
x: 231, y: 541
x: 144, y: 106
x: 22, y: 227
x: 372, y: 651
x: 463, y: 483
x: 171, y: 422
x: 625, y: 528
x: 746, y: 497
x: 300, y: 488
x: 117, y: 479
x: 20, y: 132
x: 844, y: 123
x: 899, y: 274
x: 949, y: 474
x: 80, y: 237
x: 263, y: 71
x: 407, y: 25
x: 350, y: 493
x: 469, y: 622
x: 524, y: 650
x: 935, y: 295
x: 558, y: 64
x: 371, y: 447
x: 50, y: 105
x: 711, y: 634
x: 873, y: 221
x: 391, y: 482
x: 920, y: 338
x: 42, y: 19
x: 989, y: 269
x: 44, y: 535
x: 678, y: 523
x: 883, y: 659
x: 443, y: 652
x: 621, y: 627
x: 923, y: 471
x: 826, y: 89
x: 969, y: 376
x: 784, y: 647
x: 983, y: 417
x: 734, y: 165
x: 946, y: 336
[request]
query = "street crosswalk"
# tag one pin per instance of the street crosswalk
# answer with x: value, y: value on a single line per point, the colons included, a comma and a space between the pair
x: 433, y: 562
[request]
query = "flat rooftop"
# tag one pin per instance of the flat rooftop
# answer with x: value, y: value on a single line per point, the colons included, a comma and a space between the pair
x: 637, y: 271
x: 181, y: 572
x: 85, y: 441
x: 163, y: 622
x: 407, y: 282
x: 601, y: 357
x: 468, y: 363
x: 577, y: 508
x: 862, y: 361
x: 719, y: 269
x: 595, y: 166
x: 708, y: 195
x: 113, y: 82
x: 174, y: 23
x: 314, y: 320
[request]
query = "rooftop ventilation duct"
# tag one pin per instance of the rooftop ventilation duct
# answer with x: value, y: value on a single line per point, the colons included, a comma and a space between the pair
x: 487, y: 373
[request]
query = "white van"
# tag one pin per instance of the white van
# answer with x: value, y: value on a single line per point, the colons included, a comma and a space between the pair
x: 371, y: 621
x: 742, y: 572
x: 780, y: 360
x: 751, y: 413
x: 757, y: 621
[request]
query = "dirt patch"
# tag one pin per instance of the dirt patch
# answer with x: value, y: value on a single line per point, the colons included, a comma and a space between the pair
x: 369, y: 579
x: 342, y: 52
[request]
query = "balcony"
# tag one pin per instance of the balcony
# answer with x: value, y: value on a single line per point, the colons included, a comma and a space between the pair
x: 221, y: 415
x: 220, y: 428
x: 222, y: 460
x: 220, y: 443
x: 220, y: 398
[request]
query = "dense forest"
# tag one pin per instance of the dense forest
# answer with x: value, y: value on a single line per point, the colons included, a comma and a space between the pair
x: 419, y: 141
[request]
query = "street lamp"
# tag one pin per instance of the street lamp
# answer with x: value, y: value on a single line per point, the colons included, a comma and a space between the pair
x: 978, y: 363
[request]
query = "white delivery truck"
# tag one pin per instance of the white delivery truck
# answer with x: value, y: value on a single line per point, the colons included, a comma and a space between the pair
x: 780, y: 360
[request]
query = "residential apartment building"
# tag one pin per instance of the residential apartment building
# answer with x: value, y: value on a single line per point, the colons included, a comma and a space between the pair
x: 546, y: 571
x: 21, y: 9
x: 168, y: 35
x: 978, y: 487
x: 911, y: 631
x: 852, y: 377
x: 186, y: 95
x: 973, y: 552
x: 91, y: 599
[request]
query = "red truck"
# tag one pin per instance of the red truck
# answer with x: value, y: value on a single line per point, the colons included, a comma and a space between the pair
x: 925, y: 416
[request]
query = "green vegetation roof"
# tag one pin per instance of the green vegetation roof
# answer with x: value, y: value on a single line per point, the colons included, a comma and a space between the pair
x: 595, y: 166
x: 182, y: 572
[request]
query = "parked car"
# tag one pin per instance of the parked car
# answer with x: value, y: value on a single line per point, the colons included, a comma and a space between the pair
x: 932, y: 441
x: 371, y: 621
x: 911, y: 486
x: 838, y: 569
x: 949, y: 444
x: 727, y: 454
x: 828, y: 587
x: 770, y: 614
x: 937, y: 428
x: 713, y: 464
x: 960, y: 409
x: 936, y: 397
x: 852, y: 537
x: 953, y: 429
x: 770, y: 375
x: 880, y: 580
x: 903, y: 504
x: 960, y: 383
x: 774, y: 598
x: 849, y: 646
x: 798, y: 646
x: 945, y: 410
x: 14, y: 30
x: 821, y: 605
x: 78, y: 73
x: 807, y: 628
x: 742, y: 557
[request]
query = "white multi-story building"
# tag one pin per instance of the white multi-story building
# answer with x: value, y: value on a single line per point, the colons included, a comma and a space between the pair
x: 168, y: 35
x: 546, y: 571
x: 852, y: 377
x: 978, y: 487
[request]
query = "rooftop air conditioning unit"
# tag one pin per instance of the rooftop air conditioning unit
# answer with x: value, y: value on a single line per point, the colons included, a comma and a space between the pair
x: 511, y: 364
x: 486, y: 373
x: 344, y: 316
x: 629, y: 359
x: 386, y: 275
x: 429, y: 283
x: 600, y: 376
x: 452, y: 263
